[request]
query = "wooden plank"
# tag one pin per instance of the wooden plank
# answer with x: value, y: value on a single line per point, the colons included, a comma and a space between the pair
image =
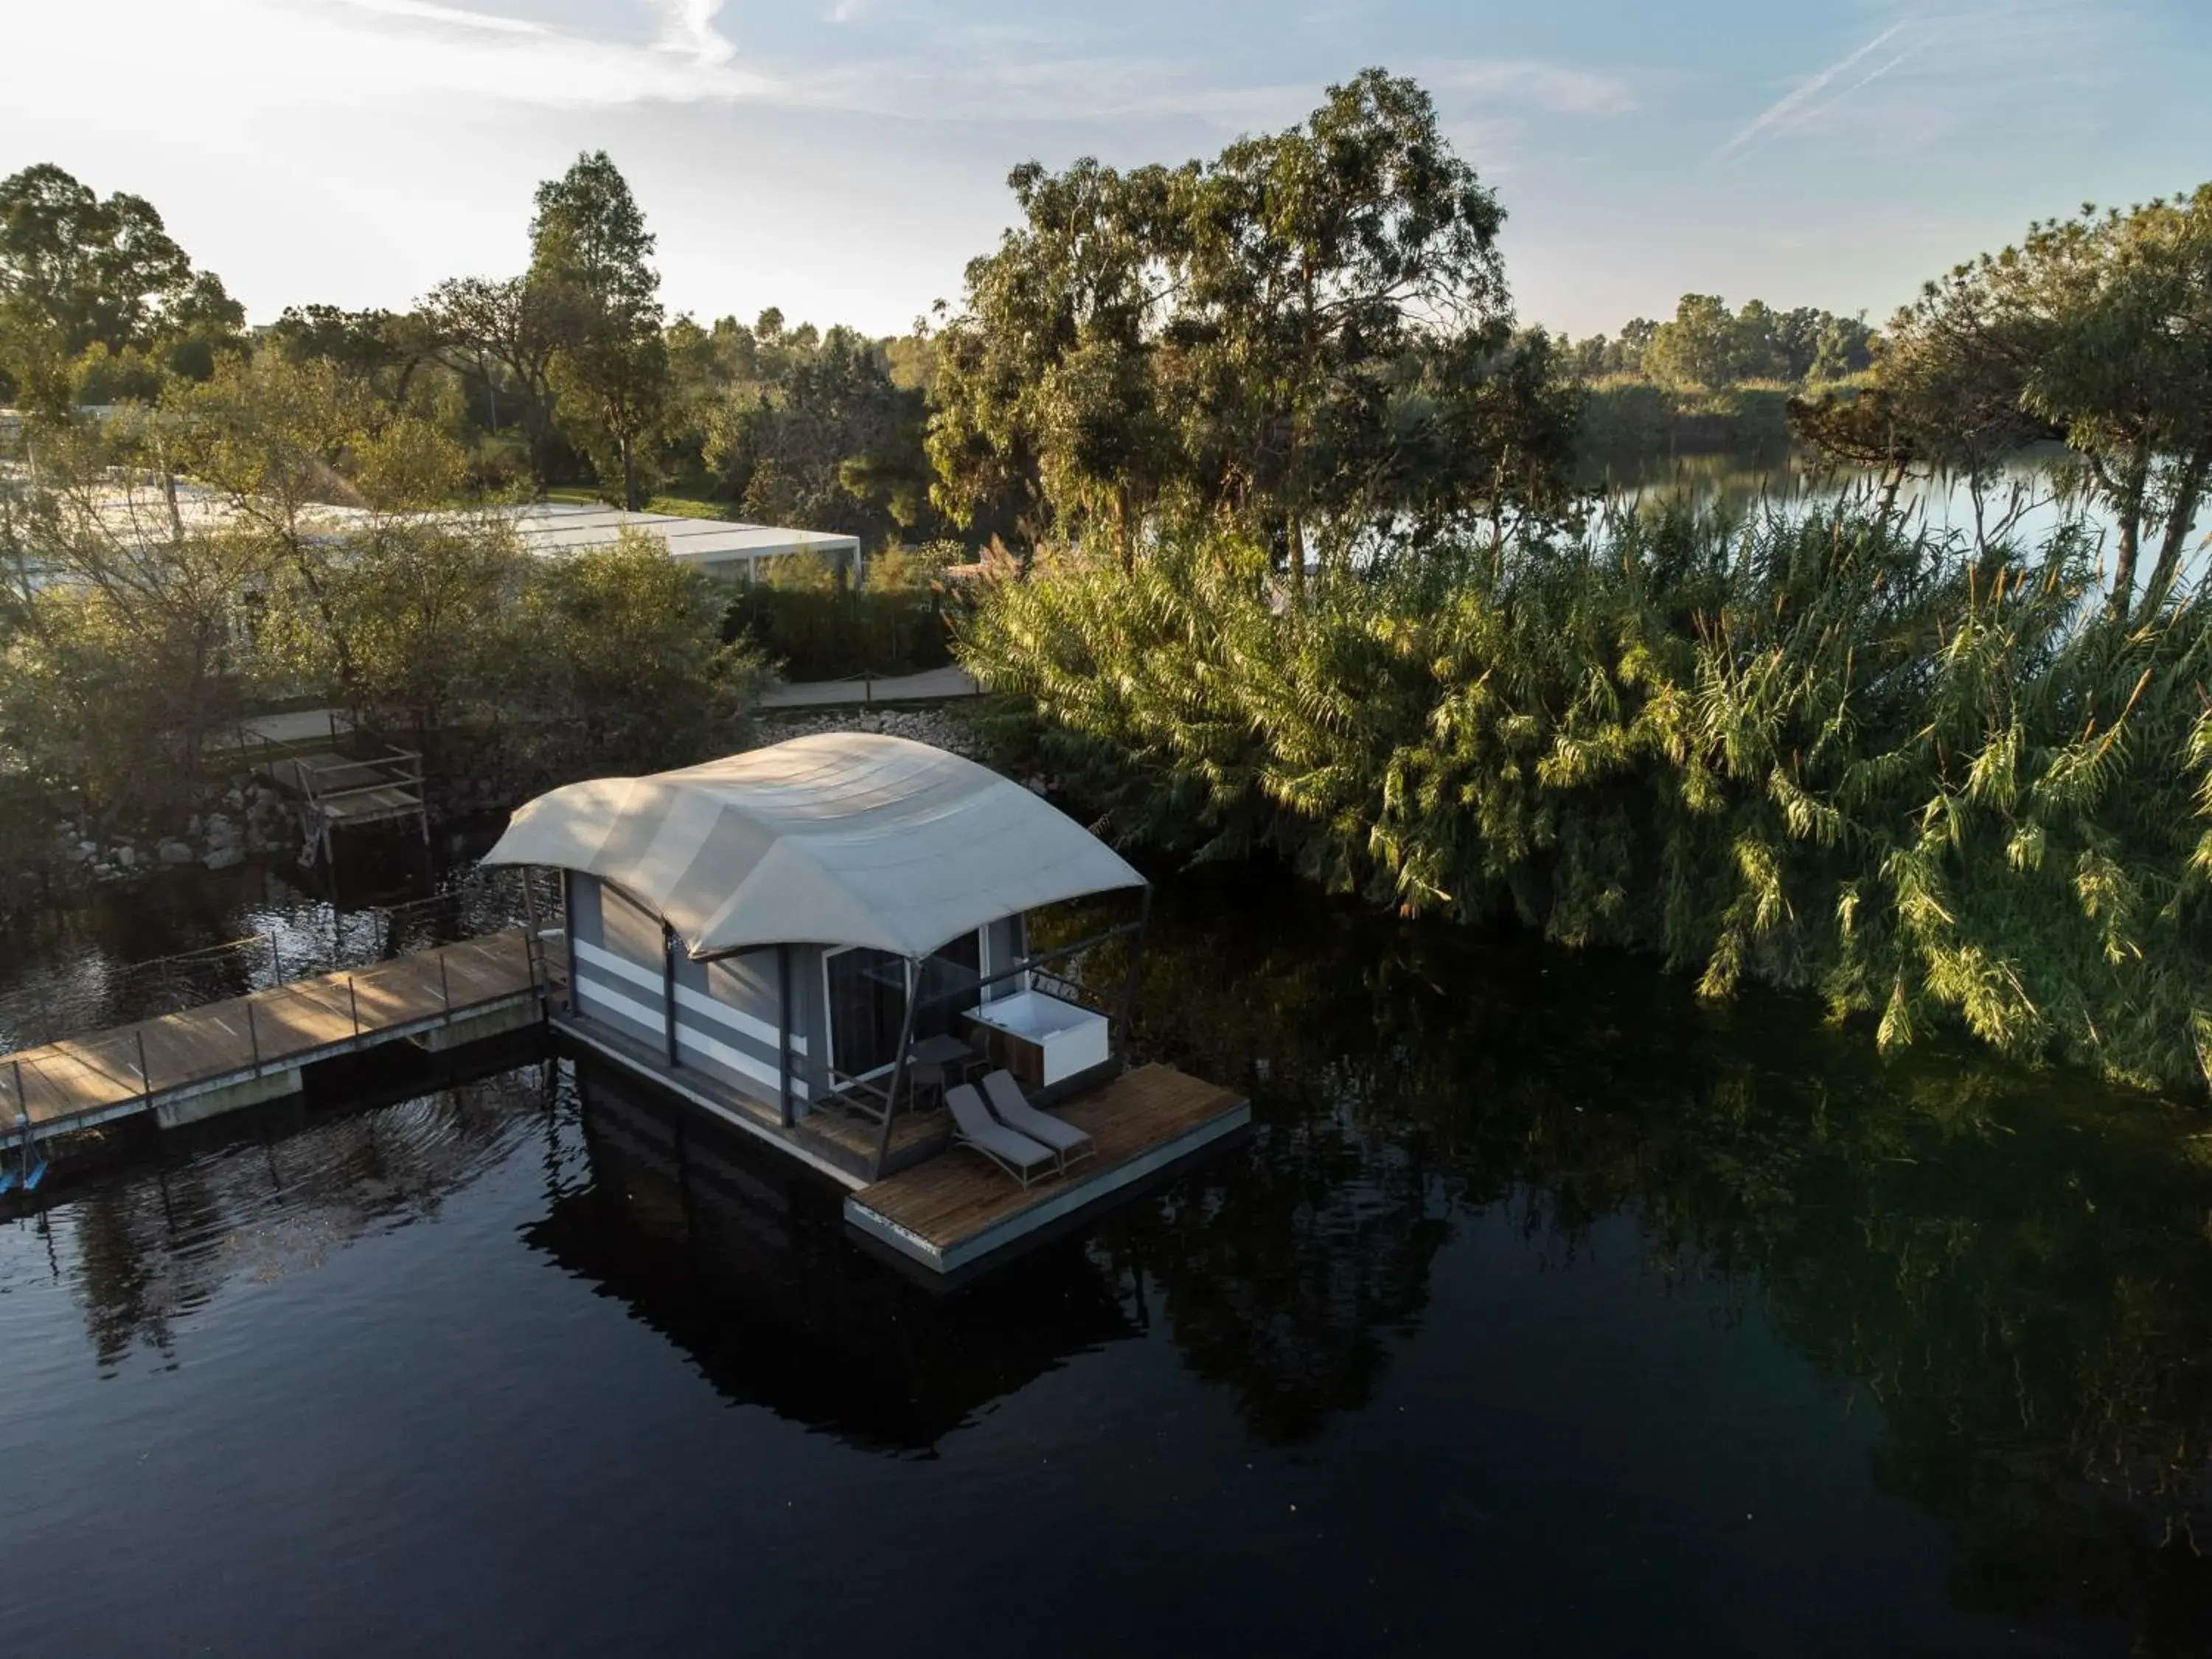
x: 85, y: 1076
x: 956, y: 1196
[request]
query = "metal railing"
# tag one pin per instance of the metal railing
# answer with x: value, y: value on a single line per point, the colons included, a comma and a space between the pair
x: 96, y: 995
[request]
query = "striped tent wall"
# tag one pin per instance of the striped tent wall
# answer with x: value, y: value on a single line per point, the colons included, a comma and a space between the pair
x: 729, y: 1012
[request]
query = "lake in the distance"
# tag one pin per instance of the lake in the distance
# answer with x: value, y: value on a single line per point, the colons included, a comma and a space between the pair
x: 2021, y: 506
x: 1543, y: 1313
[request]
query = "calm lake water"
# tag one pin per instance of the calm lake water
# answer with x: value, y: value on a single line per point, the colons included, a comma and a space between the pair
x: 1543, y: 1313
x: 2022, y: 506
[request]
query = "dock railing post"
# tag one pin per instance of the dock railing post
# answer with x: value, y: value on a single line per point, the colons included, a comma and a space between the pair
x: 145, y: 1077
x: 22, y: 1100
x: 276, y: 962
x: 353, y: 1003
x: 253, y: 1036
x: 444, y: 991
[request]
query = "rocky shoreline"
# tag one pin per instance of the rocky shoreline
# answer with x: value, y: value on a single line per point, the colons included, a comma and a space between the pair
x: 249, y: 819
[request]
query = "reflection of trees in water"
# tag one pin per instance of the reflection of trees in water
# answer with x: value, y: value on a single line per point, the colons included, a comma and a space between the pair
x: 151, y: 1246
x: 741, y: 1259
x: 2015, y: 1271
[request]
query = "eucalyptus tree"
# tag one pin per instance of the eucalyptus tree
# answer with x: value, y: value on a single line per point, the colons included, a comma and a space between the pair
x: 1322, y: 261
x: 85, y: 275
x: 590, y: 254
x: 1278, y: 342
x: 1049, y: 401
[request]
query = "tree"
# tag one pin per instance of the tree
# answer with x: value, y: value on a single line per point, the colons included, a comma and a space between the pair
x: 1700, y: 348
x: 589, y: 253
x: 362, y: 592
x: 503, y: 335
x: 1275, y: 342
x: 81, y: 273
x: 621, y: 658
x: 125, y: 647
x: 830, y: 443
x: 2097, y: 328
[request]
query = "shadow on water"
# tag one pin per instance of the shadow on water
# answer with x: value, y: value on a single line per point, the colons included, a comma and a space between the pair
x: 2007, y: 1275
x: 2013, y: 1270
x: 742, y: 1260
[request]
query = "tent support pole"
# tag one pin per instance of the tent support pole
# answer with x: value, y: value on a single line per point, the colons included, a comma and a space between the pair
x: 783, y: 1026
x: 1136, y: 960
x: 668, y: 989
x: 898, y: 1071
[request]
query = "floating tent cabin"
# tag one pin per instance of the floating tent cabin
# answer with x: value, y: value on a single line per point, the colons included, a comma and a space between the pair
x: 794, y: 938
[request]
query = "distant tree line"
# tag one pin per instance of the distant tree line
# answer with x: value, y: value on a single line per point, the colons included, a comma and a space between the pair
x: 566, y: 373
x: 1706, y: 347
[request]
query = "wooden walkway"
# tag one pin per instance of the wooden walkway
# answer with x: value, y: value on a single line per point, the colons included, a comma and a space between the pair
x: 959, y: 1206
x: 268, y: 1035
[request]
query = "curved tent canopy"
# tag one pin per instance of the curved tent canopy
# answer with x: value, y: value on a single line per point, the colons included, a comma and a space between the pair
x: 841, y: 838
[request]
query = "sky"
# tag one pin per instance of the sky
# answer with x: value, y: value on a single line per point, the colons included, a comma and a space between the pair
x: 844, y: 159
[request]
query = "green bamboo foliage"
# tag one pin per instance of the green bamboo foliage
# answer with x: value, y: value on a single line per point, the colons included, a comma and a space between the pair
x: 1926, y: 780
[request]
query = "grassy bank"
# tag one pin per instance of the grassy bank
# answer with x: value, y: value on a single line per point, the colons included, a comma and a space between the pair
x: 1919, y: 780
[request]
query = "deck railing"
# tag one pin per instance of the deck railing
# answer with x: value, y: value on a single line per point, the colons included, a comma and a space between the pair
x: 94, y: 994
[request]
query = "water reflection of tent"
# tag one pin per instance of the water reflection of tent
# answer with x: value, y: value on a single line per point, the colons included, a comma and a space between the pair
x: 742, y: 1262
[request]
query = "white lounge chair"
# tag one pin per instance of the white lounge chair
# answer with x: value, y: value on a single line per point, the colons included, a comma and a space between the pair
x: 1011, y: 1106
x: 1017, y: 1154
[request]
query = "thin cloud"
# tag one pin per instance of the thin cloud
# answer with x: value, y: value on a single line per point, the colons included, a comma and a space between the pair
x: 366, y: 51
x: 1557, y: 87
x: 423, y: 11
x: 1791, y: 108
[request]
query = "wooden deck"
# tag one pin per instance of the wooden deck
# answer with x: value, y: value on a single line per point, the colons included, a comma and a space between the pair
x: 958, y: 1207
x: 342, y: 793
x: 268, y: 1035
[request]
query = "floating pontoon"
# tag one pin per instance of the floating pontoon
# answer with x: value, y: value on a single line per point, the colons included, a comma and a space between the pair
x: 810, y: 940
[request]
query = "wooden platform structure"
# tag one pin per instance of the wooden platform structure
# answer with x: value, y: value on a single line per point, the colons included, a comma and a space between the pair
x: 948, y: 1210
x: 954, y: 1210
x: 336, y: 793
x: 226, y: 1056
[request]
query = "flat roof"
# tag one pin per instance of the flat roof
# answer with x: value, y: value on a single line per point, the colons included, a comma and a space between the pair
x: 140, y: 512
x: 554, y: 527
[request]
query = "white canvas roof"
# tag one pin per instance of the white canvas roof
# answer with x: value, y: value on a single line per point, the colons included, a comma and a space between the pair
x: 841, y: 838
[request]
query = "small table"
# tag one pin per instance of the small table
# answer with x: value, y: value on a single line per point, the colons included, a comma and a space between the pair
x: 947, y: 1054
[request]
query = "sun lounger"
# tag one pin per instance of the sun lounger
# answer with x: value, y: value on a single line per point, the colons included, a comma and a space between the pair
x: 1017, y: 1154
x: 1004, y: 1097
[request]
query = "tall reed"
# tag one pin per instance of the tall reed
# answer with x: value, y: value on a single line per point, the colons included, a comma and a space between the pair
x: 1921, y: 778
